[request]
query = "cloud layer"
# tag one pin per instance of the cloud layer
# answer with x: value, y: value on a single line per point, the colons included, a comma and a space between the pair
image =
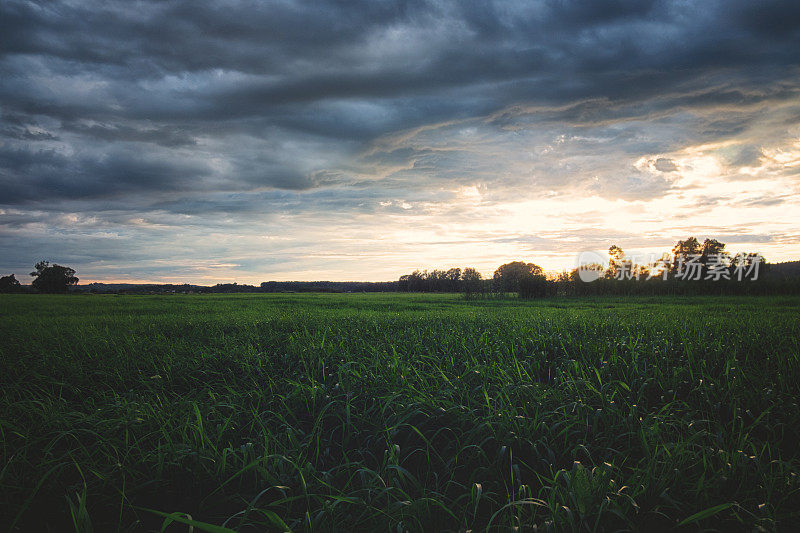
x: 355, y: 140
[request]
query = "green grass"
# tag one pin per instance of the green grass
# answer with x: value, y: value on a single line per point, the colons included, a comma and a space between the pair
x: 398, y: 412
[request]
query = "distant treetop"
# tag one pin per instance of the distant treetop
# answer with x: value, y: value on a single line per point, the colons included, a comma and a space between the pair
x: 52, y: 278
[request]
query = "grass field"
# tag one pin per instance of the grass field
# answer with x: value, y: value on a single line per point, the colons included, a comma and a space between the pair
x: 387, y: 412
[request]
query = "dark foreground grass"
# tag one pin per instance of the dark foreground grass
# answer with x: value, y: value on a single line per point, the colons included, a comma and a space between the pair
x: 398, y: 412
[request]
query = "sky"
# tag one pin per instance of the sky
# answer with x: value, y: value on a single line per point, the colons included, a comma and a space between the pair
x: 169, y: 141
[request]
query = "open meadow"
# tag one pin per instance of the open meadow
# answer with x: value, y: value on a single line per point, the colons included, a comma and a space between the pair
x: 395, y: 412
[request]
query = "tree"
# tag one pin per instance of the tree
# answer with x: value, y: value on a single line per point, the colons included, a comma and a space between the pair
x: 436, y: 280
x: 414, y: 281
x: 747, y: 266
x: 660, y: 267
x: 683, y: 252
x: 714, y: 252
x: 402, y: 283
x: 584, y: 273
x: 52, y: 278
x: 713, y: 247
x: 615, y: 262
x: 507, y: 277
x: 471, y: 281
x: 9, y: 284
x: 453, y: 277
x: 533, y: 286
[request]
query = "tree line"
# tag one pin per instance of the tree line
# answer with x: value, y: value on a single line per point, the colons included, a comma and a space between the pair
x: 692, y: 267
x: 527, y: 279
x: 466, y: 280
x: 58, y: 279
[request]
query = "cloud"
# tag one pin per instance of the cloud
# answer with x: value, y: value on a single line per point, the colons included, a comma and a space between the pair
x: 31, y: 174
x: 665, y: 164
x: 363, y: 115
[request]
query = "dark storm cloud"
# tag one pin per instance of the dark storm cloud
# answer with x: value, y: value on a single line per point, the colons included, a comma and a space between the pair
x: 238, y: 109
x: 42, y: 174
x: 411, y: 54
x: 162, y: 135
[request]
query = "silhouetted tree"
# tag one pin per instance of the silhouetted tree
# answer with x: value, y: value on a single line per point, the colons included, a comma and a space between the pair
x: 52, y: 278
x: 660, y: 268
x: 9, y: 284
x: 591, y: 272
x: 471, y: 282
x: 534, y: 286
x: 507, y: 277
x: 416, y: 281
x: 747, y: 266
x: 684, y: 252
x: 453, y: 279
x: 402, y: 283
x: 616, y: 261
x: 712, y: 247
x: 437, y: 281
